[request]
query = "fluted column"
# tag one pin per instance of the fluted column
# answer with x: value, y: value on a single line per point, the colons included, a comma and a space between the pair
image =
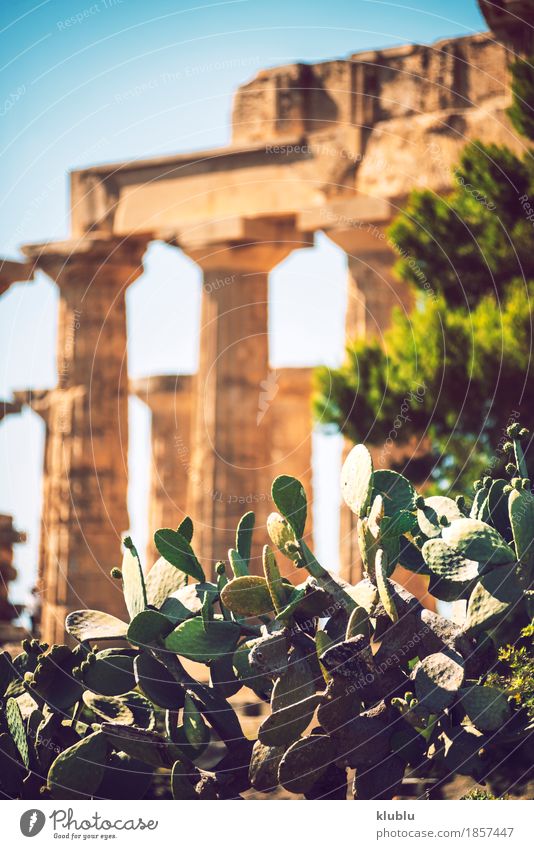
x: 170, y: 398
x: 87, y: 456
x: 231, y: 459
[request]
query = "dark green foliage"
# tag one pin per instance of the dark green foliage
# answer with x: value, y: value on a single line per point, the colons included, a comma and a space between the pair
x: 520, y: 112
x: 458, y: 367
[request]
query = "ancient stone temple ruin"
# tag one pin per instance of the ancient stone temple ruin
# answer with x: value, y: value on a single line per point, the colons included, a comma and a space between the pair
x: 333, y: 147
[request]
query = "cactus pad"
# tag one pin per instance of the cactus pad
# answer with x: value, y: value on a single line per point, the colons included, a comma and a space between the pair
x: 264, y: 763
x: 243, y: 537
x: 428, y: 518
x: 156, y: 682
x: 182, y: 778
x: 247, y: 595
x: 281, y: 535
x: 15, y: 726
x: 476, y: 540
x: 133, y: 581
x: 286, y: 725
x: 305, y: 762
x: 486, y: 707
x: 93, y: 625
x: 146, y: 746
x: 290, y: 499
x: 357, y: 480
x: 148, y: 626
x: 177, y: 550
x: 495, y: 596
x: 111, y: 674
x: 396, y: 491
x: 77, y: 772
x: 521, y: 511
x: 191, y: 640
x: 437, y: 678
x: 162, y: 580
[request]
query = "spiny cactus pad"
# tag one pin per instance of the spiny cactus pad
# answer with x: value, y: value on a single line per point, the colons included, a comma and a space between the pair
x: 182, y: 778
x: 278, y: 592
x: 451, y: 574
x: 284, y: 726
x: 396, y: 491
x: 111, y: 674
x: 521, y: 511
x: 428, y: 517
x: 487, y: 707
x: 437, y: 679
x: 94, y: 625
x: 192, y: 640
x: 281, y: 534
x: 290, y: 498
x: 243, y: 537
x: 384, y: 586
x: 77, y: 772
x: 156, y: 682
x: 247, y: 596
x: 357, y: 480
x: 362, y: 741
x: 264, y: 763
x: 305, y: 762
x: 148, y: 626
x: 162, y: 580
x: 133, y: 581
x: 496, y: 594
x: 15, y: 726
x: 177, y: 550
x: 146, y: 746
x: 478, y: 541
x: 295, y: 684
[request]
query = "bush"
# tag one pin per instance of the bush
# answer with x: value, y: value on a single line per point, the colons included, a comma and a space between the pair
x: 357, y: 678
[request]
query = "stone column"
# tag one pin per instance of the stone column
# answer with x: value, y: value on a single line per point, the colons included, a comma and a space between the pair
x: 231, y: 459
x: 87, y: 455
x: 372, y: 289
x: 372, y: 293
x: 291, y: 427
x: 9, y: 536
x: 170, y: 399
x: 40, y: 400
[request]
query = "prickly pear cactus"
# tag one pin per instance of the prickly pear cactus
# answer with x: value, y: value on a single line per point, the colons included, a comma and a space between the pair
x: 358, y: 678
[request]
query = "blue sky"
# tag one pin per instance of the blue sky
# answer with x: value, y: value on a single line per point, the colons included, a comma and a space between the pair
x: 85, y: 82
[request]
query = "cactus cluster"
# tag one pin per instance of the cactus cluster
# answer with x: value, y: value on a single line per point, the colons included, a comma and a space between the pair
x: 362, y: 685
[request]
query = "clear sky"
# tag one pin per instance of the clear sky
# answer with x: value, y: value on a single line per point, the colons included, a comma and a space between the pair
x: 85, y: 82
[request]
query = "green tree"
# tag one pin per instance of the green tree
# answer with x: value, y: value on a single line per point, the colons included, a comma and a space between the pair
x: 460, y: 367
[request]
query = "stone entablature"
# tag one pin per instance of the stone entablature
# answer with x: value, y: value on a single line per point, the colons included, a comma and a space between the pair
x: 308, y: 135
